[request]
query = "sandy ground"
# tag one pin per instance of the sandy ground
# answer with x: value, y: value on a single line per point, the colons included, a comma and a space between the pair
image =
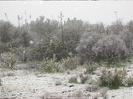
x: 28, y: 84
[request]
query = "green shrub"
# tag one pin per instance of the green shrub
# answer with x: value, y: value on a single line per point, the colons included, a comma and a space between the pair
x: 70, y: 63
x: 112, y: 79
x: 8, y: 60
x: 50, y: 66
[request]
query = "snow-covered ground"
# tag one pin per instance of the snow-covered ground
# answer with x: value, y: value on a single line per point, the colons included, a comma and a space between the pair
x: 29, y: 84
x: 122, y: 93
x: 25, y: 84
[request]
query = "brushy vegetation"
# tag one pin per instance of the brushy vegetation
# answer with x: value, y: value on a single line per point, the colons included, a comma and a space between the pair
x: 91, y: 67
x: 42, y: 39
x: 52, y: 48
x: 50, y: 66
x: 70, y: 63
x: 110, y: 49
x: 128, y: 81
x: 80, y: 79
x: 73, y: 79
x: 8, y: 60
x: 113, y: 78
x: 75, y: 43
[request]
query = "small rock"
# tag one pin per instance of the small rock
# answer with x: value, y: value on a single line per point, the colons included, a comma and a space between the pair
x: 96, y: 96
x: 113, y: 96
x: 103, y: 91
x: 100, y: 98
x: 91, y: 88
x: 10, y: 74
x: 71, y: 85
x: 68, y: 72
x: 57, y: 83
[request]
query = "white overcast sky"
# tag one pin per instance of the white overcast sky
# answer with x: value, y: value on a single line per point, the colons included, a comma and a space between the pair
x: 91, y: 11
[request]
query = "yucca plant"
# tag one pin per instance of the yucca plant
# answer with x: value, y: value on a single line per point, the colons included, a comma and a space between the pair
x: 50, y: 66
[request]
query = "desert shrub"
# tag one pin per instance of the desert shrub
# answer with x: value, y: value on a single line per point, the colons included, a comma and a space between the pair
x: 73, y: 79
x: 0, y: 82
x: 128, y: 81
x: 8, y: 60
x: 127, y: 37
x: 3, y: 47
x: 94, y: 47
x: 81, y: 79
x: 48, y: 48
x: 84, y: 48
x: 21, y: 53
x: 112, y: 79
x: 5, y: 31
x: 129, y: 26
x: 116, y: 27
x: 110, y: 48
x: 91, y: 88
x: 70, y: 63
x: 50, y: 66
x: 90, y: 67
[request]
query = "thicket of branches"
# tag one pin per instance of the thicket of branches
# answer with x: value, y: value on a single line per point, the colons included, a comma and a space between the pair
x: 44, y: 38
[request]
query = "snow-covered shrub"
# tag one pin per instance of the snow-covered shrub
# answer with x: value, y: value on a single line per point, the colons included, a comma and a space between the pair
x: 8, y: 60
x: 22, y: 54
x: 47, y: 48
x: 50, y: 66
x: 116, y: 27
x: 110, y: 48
x: 0, y: 82
x: 90, y: 67
x: 84, y: 48
x: 73, y: 80
x: 70, y: 63
x: 81, y: 79
x: 3, y: 47
x: 127, y: 37
x: 128, y: 81
x: 112, y: 78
